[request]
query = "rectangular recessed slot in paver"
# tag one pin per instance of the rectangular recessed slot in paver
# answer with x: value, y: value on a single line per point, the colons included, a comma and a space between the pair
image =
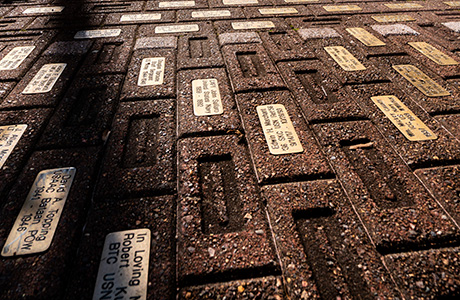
x: 250, y: 64
x: 141, y: 144
x: 199, y: 47
x: 85, y: 109
x: 221, y: 207
x: 312, y: 81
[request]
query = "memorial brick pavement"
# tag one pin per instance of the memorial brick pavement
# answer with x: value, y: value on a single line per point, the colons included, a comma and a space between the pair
x: 229, y: 149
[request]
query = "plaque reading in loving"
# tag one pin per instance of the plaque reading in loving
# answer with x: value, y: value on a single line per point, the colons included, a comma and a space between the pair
x: 253, y: 25
x: 403, y: 5
x: 152, y: 71
x: 393, y: 18
x: 332, y: 8
x: 278, y: 11
x: 421, y: 81
x: 177, y: 28
x: 211, y: 14
x: 365, y: 37
x: 45, y: 79
x: 176, y: 4
x: 206, y: 97
x: 344, y: 58
x: 433, y: 54
x: 43, y: 10
x: 140, y: 17
x: 124, y: 266
x: 239, y: 2
x: 403, y: 118
x: 15, y: 57
x: 97, y: 33
x: 9, y: 137
x: 38, y: 219
x: 278, y: 130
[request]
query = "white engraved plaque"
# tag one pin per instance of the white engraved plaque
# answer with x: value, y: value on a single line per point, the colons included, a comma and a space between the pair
x: 124, y: 266
x: 97, y: 33
x: 206, y: 97
x: 176, y: 4
x: 152, y: 71
x: 211, y: 14
x: 37, y: 221
x: 43, y: 10
x: 278, y: 130
x: 253, y: 25
x: 9, y: 137
x: 140, y: 17
x: 45, y: 79
x: 177, y: 28
x: 15, y: 57
x: 278, y: 11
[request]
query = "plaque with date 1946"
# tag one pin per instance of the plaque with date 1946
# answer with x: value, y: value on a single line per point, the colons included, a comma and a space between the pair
x: 152, y: 71
x: 124, y: 266
x: 278, y: 130
x: 38, y: 219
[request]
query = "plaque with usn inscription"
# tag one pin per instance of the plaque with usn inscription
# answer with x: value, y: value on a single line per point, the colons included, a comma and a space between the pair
x: 45, y: 79
x: 9, y: 137
x: 206, y: 97
x: 152, y: 71
x: 433, y: 54
x: 403, y: 118
x: 344, y: 58
x: 421, y: 81
x: 278, y: 130
x: 124, y: 266
x: 38, y: 219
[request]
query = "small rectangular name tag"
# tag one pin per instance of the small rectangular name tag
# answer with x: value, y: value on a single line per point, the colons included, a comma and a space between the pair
x: 152, y: 71
x: 365, y: 37
x: 140, y: 17
x: 278, y: 130
x: 206, y: 97
x: 253, y: 25
x: 43, y: 10
x: 177, y: 28
x: 433, y: 54
x: 15, y: 57
x: 45, y: 79
x: 403, y: 118
x: 211, y: 14
x: 124, y: 266
x: 421, y: 81
x: 97, y: 33
x: 344, y: 58
x: 37, y: 221
x: 9, y: 137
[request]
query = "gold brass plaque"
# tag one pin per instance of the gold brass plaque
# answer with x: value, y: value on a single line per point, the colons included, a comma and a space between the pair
x: 393, y: 18
x: 332, y: 8
x: 453, y: 3
x: 365, y: 37
x: 344, y: 58
x: 421, y: 81
x: 124, y: 265
x: 152, y: 71
x: 15, y: 57
x: 37, y: 221
x: 278, y: 130
x: 206, y: 97
x: 278, y: 11
x: 45, y: 79
x: 403, y: 118
x: 403, y: 5
x: 9, y: 137
x: 433, y: 54
x: 253, y: 25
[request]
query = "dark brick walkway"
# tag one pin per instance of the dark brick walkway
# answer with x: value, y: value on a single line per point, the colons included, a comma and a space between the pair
x: 173, y: 114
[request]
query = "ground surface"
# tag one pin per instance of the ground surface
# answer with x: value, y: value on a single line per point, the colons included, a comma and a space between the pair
x: 361, y: 212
